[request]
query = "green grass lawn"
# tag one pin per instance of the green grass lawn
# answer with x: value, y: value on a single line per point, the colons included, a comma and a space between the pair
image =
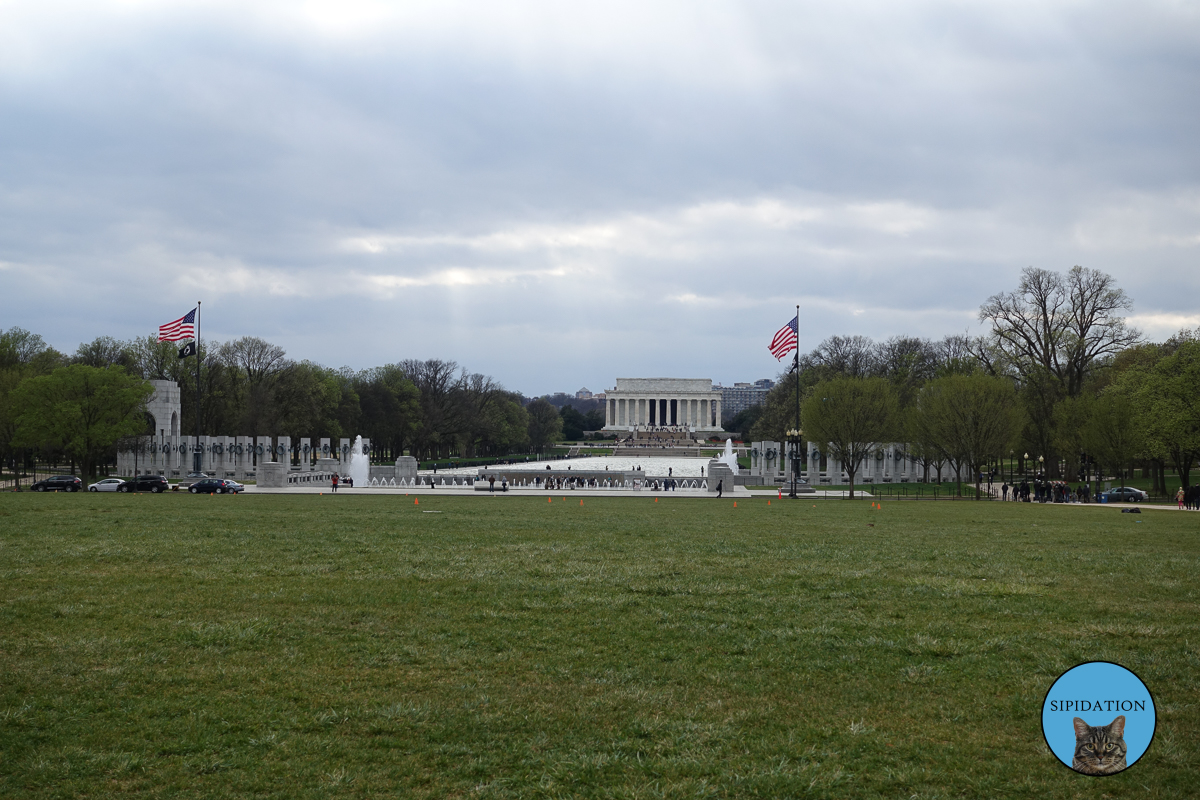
x: 317, y: 646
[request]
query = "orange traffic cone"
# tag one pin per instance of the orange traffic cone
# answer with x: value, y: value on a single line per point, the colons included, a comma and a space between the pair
x: 735, y: 503
x: 416, y: 501
x: 581, y: 501
x: 549, y: 499
x: 768, y: 502
x: 656, y: 499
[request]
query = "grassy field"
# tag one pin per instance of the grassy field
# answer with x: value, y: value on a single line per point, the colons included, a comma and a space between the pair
x: 326, y: 646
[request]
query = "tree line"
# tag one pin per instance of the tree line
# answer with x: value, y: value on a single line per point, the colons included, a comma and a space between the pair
x: 1059, y: 378
x: 77, y: 407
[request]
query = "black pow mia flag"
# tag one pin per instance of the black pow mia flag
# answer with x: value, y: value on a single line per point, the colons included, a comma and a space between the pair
x: 188, y: 349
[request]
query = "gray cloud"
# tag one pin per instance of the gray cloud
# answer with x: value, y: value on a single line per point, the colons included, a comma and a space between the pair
x: 559, y: 194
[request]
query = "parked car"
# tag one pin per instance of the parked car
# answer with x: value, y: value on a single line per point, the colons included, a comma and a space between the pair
x: 215, y: 486
x: 58, y: 483
x: 106, y: 485
x: 145, y: 483
x: 1125, y: 494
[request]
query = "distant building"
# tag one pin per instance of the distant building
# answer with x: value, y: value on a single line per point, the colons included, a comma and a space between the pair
x: 637, y: 403
x: 741, y: 396
x: 583, y: 394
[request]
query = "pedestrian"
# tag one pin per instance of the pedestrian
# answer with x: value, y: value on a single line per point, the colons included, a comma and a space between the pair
x: 1179, y: 498
x: 1004, y: 491
x: 335, y: 481
x: 719, y: 488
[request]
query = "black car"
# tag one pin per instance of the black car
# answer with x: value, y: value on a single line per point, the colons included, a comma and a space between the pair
x: 1125, y: 494
x: 59, y: 483
x: 145, y: 483
x: 215, y: 486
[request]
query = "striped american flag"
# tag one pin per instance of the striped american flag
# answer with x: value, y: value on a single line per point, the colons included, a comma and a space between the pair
x: 785, y: 339
x: 182, y: 328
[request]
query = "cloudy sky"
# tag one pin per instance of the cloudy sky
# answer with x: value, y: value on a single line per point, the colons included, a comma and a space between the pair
x: 561, y: 193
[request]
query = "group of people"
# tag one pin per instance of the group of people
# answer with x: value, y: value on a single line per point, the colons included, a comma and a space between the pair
x: 1043, y: 491
x: 1188, y: 498
x: 553, y: 483
x: 337, y: 479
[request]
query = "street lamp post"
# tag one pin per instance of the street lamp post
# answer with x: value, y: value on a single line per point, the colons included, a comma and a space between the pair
x: 793, y: 437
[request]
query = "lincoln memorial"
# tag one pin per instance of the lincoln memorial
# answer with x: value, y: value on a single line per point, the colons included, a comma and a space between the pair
x: 661, y: 402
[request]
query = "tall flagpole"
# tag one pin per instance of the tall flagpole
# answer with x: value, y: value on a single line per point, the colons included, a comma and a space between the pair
x: 796, y: 370
x: 196, y: 456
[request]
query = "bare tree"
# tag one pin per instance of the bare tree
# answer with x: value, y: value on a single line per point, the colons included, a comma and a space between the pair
x: 257, y: 358
x: 545, y: 424
x: 1052, y: 334
x: 438, y: 385
x: 1058, y: 324
x: 105, y: 351
x: 852, y: 356
x: 257, y: 364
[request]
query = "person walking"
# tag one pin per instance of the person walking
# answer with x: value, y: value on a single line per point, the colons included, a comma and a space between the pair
x: 1179, y: 497
x: 719, y: 489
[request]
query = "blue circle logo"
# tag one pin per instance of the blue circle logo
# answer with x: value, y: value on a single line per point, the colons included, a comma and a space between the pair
x: 1098, y: 718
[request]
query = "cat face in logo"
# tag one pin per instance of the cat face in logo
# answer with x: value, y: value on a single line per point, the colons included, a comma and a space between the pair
x: 1099, y: 750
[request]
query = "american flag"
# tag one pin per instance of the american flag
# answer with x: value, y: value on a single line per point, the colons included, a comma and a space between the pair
x: 785, y: 339
x: 180, y: 329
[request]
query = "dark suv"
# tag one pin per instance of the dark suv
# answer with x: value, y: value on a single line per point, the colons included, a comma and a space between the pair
x: 145, y: 483
x: 215, y: 486
x: 59, y: 483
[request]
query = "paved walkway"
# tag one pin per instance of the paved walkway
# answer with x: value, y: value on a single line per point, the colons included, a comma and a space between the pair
x: 738, y: 492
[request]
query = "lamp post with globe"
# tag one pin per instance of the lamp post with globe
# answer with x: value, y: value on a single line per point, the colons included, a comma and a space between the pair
x: 794, y: 438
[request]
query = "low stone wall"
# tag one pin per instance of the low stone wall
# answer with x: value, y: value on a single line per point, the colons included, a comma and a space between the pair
x: 657, y: 451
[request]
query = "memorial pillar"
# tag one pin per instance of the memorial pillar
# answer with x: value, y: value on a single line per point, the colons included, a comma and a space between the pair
x: 305, y: 453
x: 284, y: 444
x: 246, y: 458
x: 262, y: 451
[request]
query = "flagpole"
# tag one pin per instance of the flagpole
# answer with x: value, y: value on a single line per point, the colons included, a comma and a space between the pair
x: 196, y: 457
x: 796, y: 369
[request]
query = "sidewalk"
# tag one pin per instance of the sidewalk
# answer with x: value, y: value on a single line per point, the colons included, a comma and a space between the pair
x: 737, y: 493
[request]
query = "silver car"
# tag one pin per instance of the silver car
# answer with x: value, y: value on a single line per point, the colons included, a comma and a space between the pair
x: 106, y: 485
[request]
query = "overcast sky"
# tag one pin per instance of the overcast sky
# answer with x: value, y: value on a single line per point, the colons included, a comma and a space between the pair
x: 561, y: 193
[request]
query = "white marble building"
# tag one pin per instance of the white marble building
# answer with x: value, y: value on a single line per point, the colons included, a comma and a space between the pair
x: 689, y: 403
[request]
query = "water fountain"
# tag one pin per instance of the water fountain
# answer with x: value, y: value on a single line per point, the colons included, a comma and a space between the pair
x: 359, y: 468
x: 729, y: 458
